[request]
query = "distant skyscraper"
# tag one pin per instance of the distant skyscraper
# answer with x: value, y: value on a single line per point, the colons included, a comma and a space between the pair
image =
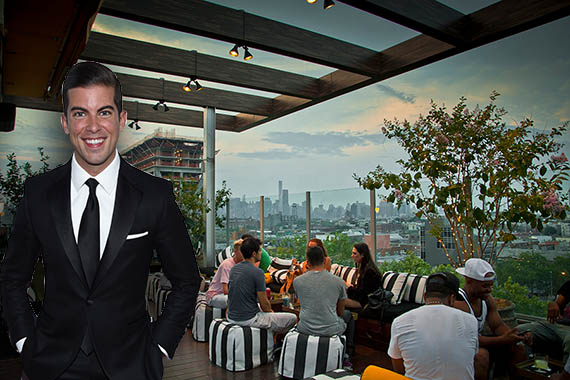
x: 285, y: 201
x: 279, y: 196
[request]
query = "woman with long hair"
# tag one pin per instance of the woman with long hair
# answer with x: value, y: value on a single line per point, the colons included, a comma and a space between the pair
x: 369, y: 277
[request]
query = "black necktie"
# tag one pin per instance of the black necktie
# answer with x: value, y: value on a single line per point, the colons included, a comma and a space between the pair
x: 88, y: 241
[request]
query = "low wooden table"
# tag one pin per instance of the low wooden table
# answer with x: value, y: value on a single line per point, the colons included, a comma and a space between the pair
x: 525, y: 371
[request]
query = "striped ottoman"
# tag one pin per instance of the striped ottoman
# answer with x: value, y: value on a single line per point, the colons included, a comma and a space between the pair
x: 336, y: 374
x: 238, y: 348
x: 203, y: 316
x: 305, y: 355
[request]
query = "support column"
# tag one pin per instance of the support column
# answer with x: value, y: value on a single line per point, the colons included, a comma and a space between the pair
x: 228, y: 222
x: 308, y: 214
x: 372, y: 223
x: 261, y: 207
x: 209, y: 182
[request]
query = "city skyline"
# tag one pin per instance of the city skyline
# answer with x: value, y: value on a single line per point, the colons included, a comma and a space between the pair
x: 321, y: 147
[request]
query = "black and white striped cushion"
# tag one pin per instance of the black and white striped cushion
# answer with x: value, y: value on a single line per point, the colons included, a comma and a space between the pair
x: 161, y: 296
x: 334, y: 267
x: 239, y: 348
x: 203, y: 317
x: 305, y: 355
x: 225, y: 254
x: 348, y: 274
x: 415, y: 289
x: 279, y: 276
x: 152, y: 285
x: 396, y: 283
x: 278, y: 263
x: 336, y: 374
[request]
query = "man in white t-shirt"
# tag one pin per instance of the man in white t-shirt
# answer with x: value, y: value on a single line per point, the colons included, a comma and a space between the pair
x: 435, y: 341
x: 217, y: 294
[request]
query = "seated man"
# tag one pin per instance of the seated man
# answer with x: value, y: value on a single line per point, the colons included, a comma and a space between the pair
x: 552, y: 337
x: 476, y: 299
x: 265, y: 261
x: 217, y: 294
x: 247, y: 288
x: 322, y: 295
x: 435, y: 341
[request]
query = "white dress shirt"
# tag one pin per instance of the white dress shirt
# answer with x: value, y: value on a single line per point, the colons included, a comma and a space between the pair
x: 105, y: 191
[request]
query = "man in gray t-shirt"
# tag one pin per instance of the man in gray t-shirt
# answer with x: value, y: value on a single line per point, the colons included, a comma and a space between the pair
x: 322, y: 296
x: 245, y: 282
x: 246, y: 287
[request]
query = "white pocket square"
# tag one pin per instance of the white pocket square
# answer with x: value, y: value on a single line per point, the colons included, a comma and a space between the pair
x: 136, y: 236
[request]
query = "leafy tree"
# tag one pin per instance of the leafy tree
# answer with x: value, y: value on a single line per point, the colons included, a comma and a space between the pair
x: 289, y: 247
x: 338, y: 246
x: 519, y: 295
x: 484, y: 176
x: 12, y: 189
x: 415, y: 264
x: 530, y: 269
x: 12, y: 183
x: 560, y: 271
x: 193, y: 205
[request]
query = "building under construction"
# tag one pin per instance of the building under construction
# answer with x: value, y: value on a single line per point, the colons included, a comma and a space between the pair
x: 163, y: 154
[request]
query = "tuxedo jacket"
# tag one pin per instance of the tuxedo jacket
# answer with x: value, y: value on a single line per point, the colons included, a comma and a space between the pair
x: 113, y: 310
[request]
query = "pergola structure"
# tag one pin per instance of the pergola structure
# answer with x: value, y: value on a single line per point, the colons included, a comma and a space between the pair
x: 50, y: 46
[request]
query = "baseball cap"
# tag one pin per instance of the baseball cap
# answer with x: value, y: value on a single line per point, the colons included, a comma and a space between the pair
x: 477, y: 269
x: 442, y: 282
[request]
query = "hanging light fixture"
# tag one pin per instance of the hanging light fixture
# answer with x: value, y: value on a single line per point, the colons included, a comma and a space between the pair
x: 161, y: 103
x: 135, y: 123
x: 246, y: 54
x: 311, y: 1
x: 192, y: 84
x: 328, y: 4
x: 234, y: 52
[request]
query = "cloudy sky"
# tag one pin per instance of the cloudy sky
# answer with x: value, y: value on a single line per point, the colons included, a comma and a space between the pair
x: 321, y: 147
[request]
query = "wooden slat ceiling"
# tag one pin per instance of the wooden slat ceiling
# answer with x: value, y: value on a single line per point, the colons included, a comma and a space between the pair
x: 444, y: 32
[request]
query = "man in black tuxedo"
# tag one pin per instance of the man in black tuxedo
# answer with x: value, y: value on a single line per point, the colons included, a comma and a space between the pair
x: 96, y: 221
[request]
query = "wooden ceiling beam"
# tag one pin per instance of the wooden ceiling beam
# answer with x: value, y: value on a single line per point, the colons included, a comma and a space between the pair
x: 135, y: 54
x: 428, y: 17
x: 509, y: 17
x: 150, y: 88
x: 176, y: 116
x: 494, y: 22
x: 145, y: 113
x: 236, y: 26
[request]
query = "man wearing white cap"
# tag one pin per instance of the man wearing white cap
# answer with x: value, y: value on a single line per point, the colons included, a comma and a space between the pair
x: 476, y: 299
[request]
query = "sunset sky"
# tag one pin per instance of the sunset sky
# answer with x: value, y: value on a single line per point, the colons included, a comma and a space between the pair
x: 321, y: 147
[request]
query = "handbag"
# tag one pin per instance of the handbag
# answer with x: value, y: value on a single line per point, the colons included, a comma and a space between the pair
x: 378, y: 301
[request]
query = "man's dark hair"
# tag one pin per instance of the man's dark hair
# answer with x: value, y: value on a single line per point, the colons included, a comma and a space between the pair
x: 249, y: 246
x: 441, y: 285
x: 247, y: 236
x: 315, y: 256
x: 86, y: 74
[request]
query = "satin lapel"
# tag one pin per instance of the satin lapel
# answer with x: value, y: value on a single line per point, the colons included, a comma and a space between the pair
x: 127, y: 200
x: 60, y: 207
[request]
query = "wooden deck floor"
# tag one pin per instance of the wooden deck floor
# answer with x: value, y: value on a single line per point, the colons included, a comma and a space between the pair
x: 191, y: 362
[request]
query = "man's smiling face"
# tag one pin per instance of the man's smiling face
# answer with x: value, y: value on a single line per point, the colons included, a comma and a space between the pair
x: 93, y: 124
